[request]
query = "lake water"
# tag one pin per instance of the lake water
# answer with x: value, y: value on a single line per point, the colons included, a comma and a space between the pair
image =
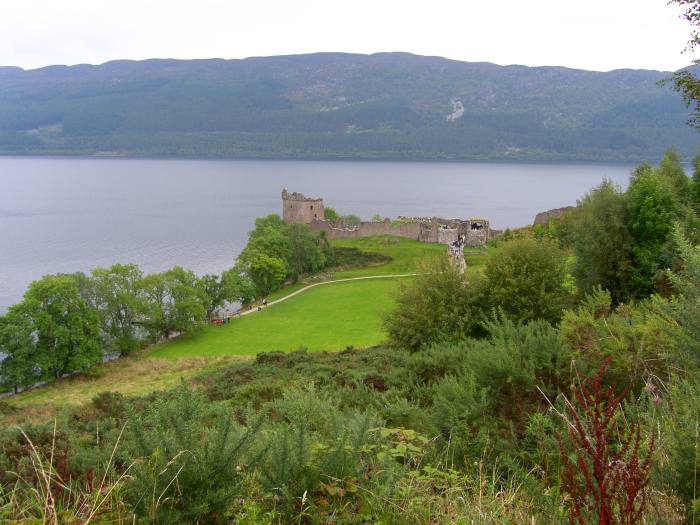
x: 66, y: 215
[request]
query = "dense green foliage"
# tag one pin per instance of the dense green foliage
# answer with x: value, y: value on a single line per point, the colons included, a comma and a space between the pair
x: 69, y: 323
x: 439, y: 305
x: 459, y: 432
x: 623, y: 240
x: 524, y: 279
x: 277, y: 252
x: 334, y: 105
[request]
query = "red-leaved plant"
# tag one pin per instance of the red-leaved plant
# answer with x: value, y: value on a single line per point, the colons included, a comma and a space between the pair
x: 604, y: 475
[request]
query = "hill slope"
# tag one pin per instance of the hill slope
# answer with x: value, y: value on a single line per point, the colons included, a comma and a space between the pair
x: 326, y: 105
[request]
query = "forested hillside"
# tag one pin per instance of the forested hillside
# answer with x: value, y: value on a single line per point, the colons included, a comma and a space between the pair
x: 334, y: 105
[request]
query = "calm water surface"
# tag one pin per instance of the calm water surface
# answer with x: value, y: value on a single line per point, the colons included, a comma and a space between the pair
x: 66, y: 215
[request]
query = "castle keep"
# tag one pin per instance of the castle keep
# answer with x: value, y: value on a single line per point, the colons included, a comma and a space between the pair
x: 298, y: 208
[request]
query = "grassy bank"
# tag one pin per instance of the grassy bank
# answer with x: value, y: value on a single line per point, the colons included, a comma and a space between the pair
x: 327, y: 317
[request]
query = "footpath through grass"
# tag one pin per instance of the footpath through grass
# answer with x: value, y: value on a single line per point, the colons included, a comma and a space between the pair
x: 327, y: 317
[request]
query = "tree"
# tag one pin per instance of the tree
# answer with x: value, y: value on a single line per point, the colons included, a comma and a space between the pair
x: 120, y: 301
x: 439, y: 305
x: 231, y: 286
x: 66, y: 329
x: 239, y: 286
x: 306, y: 255
x: 274, y: 246
x: 695, y: 185
x: 684, y: 81
x: 174, y: 303
x: 351, y: 220
x: 602, y: 242
x: 215, y: 292
x: 17, y: 352
x: 267, y: 272
x: 670, y: 168
x: 652, y: 209
x: 330, y: 214
x: 270, y: 237
x: 377, y: 218
x: 525, y: 278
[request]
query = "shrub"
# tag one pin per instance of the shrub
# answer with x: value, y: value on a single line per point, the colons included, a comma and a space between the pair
x: 439, y: 305
x: 188, y: 459
x: 526, y: 279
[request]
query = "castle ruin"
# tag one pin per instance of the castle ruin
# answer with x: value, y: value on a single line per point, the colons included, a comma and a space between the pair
x: 298, y: 208
x: 474, y: 232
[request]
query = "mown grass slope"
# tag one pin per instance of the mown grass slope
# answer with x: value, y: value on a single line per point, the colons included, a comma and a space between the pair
x: 327, y: 317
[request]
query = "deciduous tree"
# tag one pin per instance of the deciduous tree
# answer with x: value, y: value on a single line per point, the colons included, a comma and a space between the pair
x: 602, y: 243
x: 17, y: 352
x: 120, y: 301
x: 65, y: 327
x: 175, y: 303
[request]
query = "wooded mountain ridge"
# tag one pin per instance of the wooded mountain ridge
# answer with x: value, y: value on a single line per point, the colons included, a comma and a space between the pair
x: 338, y: 105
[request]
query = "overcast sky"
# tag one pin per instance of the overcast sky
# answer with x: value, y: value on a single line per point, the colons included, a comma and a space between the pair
x: 591, y: 34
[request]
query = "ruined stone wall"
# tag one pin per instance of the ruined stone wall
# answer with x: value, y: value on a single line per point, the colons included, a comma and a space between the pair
x: 476, y: 232
x: 557, y: 213
x: 436, y: 231
x: 447, y: 235
x: 296, y: 207
x: 410, y: 230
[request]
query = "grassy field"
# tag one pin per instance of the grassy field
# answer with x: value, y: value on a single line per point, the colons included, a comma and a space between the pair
x: 406, y: 255
x: 327, y: 317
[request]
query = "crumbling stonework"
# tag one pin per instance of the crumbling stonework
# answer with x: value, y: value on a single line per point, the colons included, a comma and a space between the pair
x: 543, y: 218
x: 298, y: 208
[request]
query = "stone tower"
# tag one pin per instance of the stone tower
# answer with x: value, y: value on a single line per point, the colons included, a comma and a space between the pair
x: 298, y: 208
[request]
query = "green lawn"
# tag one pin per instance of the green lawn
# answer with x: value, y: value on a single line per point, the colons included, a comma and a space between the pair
x: 327, y: 317
x: 407, y: 255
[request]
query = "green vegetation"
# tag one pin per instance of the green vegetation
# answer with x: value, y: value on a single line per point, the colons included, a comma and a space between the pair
x: 526, y: 279
x: 514, y: 393
x: 277, y: 252
x: 440, y: 306
x: 330, y: 214
x: 326, y: 317
x: 386, y: 105
x: 406, y: 255
x: 622, y: 240
x: 68, y: 323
